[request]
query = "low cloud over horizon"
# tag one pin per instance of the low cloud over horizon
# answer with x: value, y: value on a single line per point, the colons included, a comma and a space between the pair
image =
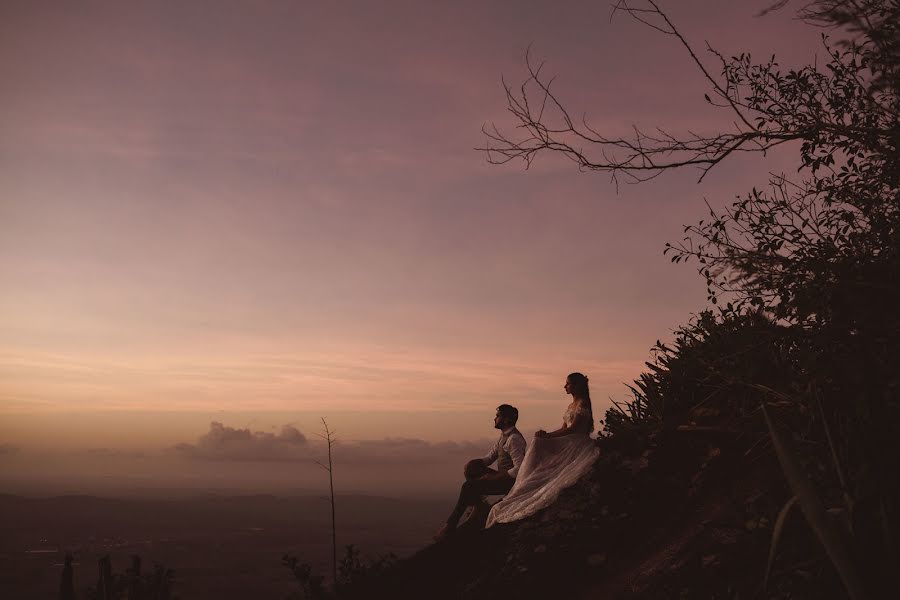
x: 243, y: 460
x: 228, y: 443
x: 8, y: 449
x: 224, y: 443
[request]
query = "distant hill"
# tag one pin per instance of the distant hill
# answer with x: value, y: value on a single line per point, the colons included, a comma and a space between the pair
x: 221, y: 547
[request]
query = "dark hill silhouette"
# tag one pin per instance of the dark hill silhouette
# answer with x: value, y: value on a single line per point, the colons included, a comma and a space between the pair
x: 683, y: 512
x: 220, y: 547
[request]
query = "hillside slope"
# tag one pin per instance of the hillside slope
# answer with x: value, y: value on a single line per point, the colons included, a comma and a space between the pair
x: 679, y: 513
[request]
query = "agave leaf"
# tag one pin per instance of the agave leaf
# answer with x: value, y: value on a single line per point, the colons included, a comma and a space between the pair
x: 776, y: 536
x: 848, y: 499
x: 829, y: 536
x: 618, y: 407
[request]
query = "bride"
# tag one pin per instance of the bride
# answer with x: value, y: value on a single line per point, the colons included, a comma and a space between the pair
x: 554, y: 461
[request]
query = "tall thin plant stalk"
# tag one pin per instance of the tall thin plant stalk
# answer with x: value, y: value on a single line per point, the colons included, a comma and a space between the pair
x: 836, y: 547
x: 329, y: 441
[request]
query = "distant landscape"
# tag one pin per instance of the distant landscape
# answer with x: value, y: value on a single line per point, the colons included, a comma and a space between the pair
x: 220, y: 546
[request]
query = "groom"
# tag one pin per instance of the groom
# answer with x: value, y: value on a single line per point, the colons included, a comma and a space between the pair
x: 481, y: 480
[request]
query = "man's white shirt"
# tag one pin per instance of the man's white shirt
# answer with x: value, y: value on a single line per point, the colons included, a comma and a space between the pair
x: 514, y: 445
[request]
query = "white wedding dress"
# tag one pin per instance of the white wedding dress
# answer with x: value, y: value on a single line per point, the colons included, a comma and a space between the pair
x: 550, y: 466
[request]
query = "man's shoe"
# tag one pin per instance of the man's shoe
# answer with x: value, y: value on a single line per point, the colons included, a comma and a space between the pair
x: 444, y: 532
x: 478, y: 516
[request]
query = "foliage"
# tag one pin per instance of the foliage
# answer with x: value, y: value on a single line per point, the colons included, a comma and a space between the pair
x: 804, y: 271
x: 311, y: 586
x: 822, y: 257
x: 158, y: 584
x: 706, y: 367
x: 811, y: 251
x: 353, y: 568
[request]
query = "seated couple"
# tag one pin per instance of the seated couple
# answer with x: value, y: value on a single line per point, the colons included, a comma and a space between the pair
x: 532, y: 479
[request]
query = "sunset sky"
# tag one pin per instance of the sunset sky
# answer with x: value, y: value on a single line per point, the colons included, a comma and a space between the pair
x: 261, y: 213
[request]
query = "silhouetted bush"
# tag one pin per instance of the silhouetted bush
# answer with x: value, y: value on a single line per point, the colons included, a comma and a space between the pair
x: 353, y: 568
x: 805, y: 274
x: 132, y: 585
x: 311, y: 586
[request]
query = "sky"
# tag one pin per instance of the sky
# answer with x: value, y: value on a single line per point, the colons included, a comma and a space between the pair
x: 225, y: 219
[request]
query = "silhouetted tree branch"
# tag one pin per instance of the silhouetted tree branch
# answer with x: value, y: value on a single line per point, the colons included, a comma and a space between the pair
x: 767, y: 108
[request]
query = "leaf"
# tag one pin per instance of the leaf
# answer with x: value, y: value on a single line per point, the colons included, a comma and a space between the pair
x: 836, y: 547
x: 776, y: 536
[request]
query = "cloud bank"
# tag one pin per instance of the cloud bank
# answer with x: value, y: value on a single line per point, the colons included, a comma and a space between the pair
x: 8, y: 449
x: 230, y: 459
x: 222, y: 442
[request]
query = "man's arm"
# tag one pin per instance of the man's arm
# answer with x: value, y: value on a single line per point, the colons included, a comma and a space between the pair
x: 564, y: 430
x: 516, y: 449
x: 491, y: 456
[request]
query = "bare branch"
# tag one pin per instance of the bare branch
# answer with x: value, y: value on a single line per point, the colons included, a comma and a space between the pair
x: 770, y: 109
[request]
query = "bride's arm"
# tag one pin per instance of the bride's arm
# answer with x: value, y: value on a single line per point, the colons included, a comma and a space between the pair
x: 581, y: 422
x: 552, y: 434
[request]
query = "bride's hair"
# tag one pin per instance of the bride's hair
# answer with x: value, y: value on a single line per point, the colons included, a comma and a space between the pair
x: 580, y: 386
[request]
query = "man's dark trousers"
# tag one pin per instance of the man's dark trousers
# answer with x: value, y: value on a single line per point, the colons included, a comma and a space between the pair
x: 472, y: 491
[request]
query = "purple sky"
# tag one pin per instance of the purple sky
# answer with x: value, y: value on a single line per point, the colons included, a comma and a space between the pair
x: 263, y: 212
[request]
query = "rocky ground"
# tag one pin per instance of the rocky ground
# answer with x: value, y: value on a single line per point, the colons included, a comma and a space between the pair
x: 678, y: 512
